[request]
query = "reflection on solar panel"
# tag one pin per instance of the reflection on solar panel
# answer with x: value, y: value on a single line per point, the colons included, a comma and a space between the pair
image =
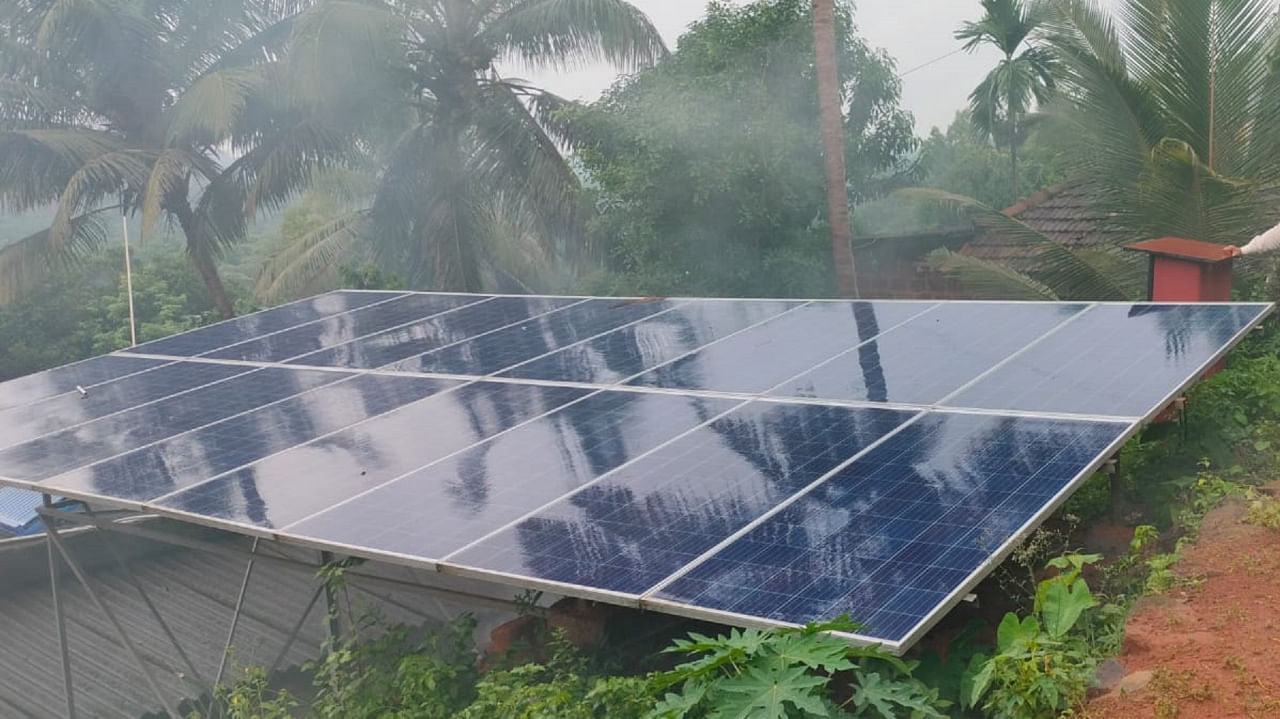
x: 752, y: 461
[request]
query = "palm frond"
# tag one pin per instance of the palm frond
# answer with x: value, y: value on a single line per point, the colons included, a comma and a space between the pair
x: 987, y: 280
x: 170, y: 176
x: 310, y: 256
x: 28, y: 261
x: 38, y: 164
x: 111, y: 174
x: 206, y: 113
x: 1057, y: 267
x: 567, y: 33
x: 340, y: 49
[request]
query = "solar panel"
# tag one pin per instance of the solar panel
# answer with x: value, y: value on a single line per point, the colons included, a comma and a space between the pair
x: 753, y: 461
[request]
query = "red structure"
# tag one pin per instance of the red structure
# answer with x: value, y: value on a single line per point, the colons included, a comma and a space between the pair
x: 1187, y: 270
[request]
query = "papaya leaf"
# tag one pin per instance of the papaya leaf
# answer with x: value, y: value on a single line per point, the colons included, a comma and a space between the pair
x: 893, y: 698
x: 766, y: 692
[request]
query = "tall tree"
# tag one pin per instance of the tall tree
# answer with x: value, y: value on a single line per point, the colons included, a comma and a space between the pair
x: 163, y: 108
x: 462, y: 134
x: 727, y: 195
x: 830, y: 120
x: 1025, y: 74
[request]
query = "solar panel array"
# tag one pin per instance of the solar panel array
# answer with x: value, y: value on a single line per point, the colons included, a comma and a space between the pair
x: 749, y: 461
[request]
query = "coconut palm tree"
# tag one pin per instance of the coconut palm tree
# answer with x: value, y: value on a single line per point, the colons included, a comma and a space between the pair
x: 831, y: 121
x: 1001, y: 103
x: 461, y: 133
x: 1170, y: 114
x: 167, y: 109
x: 1173, y: 112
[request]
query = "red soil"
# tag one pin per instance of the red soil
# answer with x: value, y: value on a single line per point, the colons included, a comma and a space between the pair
x: 1210, y: 649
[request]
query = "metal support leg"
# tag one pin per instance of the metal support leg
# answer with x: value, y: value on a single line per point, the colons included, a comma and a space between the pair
x: 60, y: 620
x: 146, y: 598
x: 235, y: 618
x: 52, y: 532
x: 297, y: 629
x: 331, y: 603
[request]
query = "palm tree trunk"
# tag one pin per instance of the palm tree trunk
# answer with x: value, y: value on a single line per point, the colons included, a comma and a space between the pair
x: 1013, y: 161
x: 831, y: 121
x: 203, y: 263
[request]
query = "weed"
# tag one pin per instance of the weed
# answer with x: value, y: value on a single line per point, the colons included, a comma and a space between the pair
x: 1264, y: 511
x: 1173, y: 689
x: 1044, y: 662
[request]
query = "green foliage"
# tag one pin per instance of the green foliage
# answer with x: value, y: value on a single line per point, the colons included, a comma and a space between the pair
x: 83, y: 310
x: 368, y: 277
x: 707, y: 169
x: 786, y: 673
x: 1043, y: 662
x: 958, y: 161
x: 392, y: 676
x: 252, y: 698
x: 534, y: 691
x: 1264, y: 511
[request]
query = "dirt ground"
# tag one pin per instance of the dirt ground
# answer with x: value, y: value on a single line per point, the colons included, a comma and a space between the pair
x: 1210, y: 648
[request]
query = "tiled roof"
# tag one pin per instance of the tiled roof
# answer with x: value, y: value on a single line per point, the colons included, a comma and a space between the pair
x: 1070, y: 215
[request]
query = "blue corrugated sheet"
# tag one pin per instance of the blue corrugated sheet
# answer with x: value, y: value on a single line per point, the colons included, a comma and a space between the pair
x: 18, y: 511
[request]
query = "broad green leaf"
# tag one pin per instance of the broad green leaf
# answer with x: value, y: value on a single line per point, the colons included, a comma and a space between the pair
x: 675, y: 705
x: 765, y: 693
x: 1012, y: 631
x: 973, y: 683
x: 892, y: 698
x: 1062, y: 603
x: 815, y: 651
x: 978, y: 683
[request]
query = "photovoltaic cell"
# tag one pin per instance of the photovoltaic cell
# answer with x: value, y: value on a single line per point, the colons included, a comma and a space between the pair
x: 434, y: 333
x: 889, y: 538
x: 761, y: 357
x: 207, y: 339
x: 215, y: 449
x: 455, y: 501
x: 636, y: 526
x: 65, y: 379
x: 69, y: 409
x: 932, y: 355
x: 864, y: 498
x: 126, y: 431
x: 644, y: 345
x: 342, y: 328
x: 497, y: 351
x: 312, y: 477
x: 1118, y: 360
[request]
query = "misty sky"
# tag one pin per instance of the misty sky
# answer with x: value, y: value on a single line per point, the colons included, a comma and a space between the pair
x: 914, y: 32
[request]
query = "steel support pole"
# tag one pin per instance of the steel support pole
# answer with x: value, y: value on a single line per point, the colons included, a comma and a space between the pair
x: 111, y: 617
x: 297, y: 629
x: 235, y: 618
x: 331, y: 603
x: 58, y: 616
x: 127, y: 570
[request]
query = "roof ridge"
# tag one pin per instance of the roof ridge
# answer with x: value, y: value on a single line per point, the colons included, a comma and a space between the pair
x: 1038, y: 198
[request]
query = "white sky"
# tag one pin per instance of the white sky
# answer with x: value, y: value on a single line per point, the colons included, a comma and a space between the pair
x: 912, y: 31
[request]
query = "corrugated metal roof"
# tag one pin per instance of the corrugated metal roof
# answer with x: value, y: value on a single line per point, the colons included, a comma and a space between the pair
x: 195, y: 592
